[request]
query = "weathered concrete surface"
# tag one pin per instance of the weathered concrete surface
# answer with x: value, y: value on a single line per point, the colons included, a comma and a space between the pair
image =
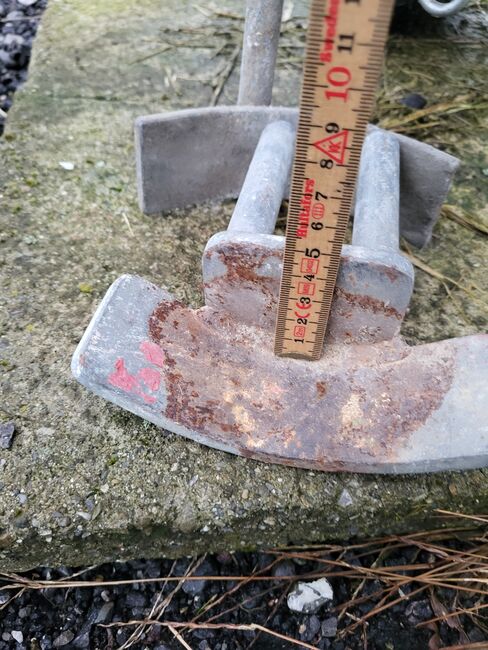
x: 83, y: 481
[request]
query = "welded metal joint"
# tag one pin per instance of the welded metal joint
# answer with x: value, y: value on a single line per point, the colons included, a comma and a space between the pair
x: 242, y: 266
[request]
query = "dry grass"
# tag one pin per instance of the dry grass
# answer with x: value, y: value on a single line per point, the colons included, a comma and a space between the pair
x: 454, y: 581
x: 463, y: 218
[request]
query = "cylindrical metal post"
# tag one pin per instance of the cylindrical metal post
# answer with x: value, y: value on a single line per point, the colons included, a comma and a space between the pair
x: 376, y: 214
x: 261, y: 34
x: 266, y: 180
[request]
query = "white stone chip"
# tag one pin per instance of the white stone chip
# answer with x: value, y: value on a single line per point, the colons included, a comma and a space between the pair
x: 345, y: 500
x: 45, y: 431
x: 17, y: 635
x: 308, y: 597
x: 65, y: 164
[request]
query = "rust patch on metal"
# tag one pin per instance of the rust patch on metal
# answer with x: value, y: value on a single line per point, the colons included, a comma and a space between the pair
x: 321, y: 388
x: 355, y: 408
x: 242, y: 259
x: 185, y: 372
x: 158, y: 318
x: 391, y: 273
x: 368, y: 303
x: 243, y: 264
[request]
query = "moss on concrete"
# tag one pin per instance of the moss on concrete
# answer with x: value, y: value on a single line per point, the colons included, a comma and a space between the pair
x: 85, y: 482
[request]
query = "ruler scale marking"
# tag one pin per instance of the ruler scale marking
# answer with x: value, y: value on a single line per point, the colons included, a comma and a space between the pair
x: 344, y: 52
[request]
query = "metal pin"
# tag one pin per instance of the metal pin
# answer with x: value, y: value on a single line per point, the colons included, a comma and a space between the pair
x: 266, y: 181
x: 376, y: 214
x: 260, y: 46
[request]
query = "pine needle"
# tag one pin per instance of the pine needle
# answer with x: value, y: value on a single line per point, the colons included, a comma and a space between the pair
x: 444, y: 108
x: 245, y: 627
x: 178, y: 636
x: 463, y: 219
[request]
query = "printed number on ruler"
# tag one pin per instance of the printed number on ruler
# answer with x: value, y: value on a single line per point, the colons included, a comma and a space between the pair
x: 345, y: 43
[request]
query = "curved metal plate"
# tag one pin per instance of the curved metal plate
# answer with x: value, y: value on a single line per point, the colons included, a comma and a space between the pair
x: 385, y: 407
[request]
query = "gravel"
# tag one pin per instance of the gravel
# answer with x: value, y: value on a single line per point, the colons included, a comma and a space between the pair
x: 74, y: 618
x: 308, y: 597
x: 7, y: 431
x: 19, y: 20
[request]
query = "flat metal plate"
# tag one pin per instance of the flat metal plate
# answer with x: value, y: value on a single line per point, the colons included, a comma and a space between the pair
x: 195, y: 155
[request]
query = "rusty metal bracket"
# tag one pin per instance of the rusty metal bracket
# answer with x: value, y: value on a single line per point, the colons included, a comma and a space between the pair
x: 371, y: 404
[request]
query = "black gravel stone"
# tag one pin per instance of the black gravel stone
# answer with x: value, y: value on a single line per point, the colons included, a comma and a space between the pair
x: 63, y: 639
x: 286, y: 568
x: 414, y: 100
x: 417, y: 611
x: 18, y: 27
x: 7, y: 431
x: 135, y: 599
x: 329, y: 627
x: 196, y: 587
x: 312, y: 626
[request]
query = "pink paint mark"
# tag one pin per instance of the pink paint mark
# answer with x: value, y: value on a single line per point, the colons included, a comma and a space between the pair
x: 121, y: 378
x: 150, y: 377
x: 153, y: 353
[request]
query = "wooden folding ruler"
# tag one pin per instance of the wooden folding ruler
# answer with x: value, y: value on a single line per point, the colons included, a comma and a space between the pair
x: 344, y: 54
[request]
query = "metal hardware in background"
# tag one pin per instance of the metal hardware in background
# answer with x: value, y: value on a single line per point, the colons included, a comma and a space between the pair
x: 372, y: 403
x: 442, y: 9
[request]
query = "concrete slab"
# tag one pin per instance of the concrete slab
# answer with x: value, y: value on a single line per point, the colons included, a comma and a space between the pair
x: 83, y: 481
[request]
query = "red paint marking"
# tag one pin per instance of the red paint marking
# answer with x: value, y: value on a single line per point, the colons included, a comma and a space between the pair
x: 150, y: 377
x: 121, y: 378
x: 334, y: 146
x: 299, y: 331
x: 305, y: 204
x: 318, y: 211
x: 153, y: 353
x: 306, y: 288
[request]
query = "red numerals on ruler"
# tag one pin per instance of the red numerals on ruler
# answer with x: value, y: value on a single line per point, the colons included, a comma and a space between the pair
x: 343, y: 59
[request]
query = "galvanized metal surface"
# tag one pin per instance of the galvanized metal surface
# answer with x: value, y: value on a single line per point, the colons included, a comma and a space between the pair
x: 371, y: 404
x: 259, y: 50
x: 371, y: 408
x: 171, y: 146
x: 376, y: 222
x: 242, y: 273
x: 266, y: 180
